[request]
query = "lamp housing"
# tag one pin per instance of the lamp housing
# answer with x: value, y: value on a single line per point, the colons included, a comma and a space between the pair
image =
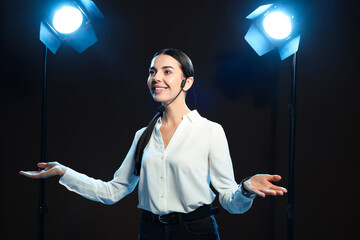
x: 262, y: 41
x: 80, y: 39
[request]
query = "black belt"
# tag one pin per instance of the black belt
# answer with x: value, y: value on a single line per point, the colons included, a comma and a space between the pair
x: 175, y: 217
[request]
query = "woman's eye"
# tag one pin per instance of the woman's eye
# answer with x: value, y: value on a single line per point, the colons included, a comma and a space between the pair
x: 151, y: 72
x: 167, y: 72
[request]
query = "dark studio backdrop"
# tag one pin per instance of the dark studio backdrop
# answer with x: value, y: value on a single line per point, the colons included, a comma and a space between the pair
x: 97, y: 100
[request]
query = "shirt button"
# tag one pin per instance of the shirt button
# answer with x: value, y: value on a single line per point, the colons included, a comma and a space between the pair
x: 162, y: 196
x: 161, y: 177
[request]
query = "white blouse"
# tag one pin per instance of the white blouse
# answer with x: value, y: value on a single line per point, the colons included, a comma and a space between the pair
x: 175, y: 179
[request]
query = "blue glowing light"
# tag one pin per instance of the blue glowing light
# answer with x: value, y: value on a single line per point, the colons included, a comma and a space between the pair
x: 67, y: 20
x: 273, y: 29
x: 277, y: 25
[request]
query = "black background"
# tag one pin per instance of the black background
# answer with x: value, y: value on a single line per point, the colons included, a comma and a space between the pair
x: 98, y: 99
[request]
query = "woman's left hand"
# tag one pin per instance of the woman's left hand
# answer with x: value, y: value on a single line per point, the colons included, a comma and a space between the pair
x: 261, y: 185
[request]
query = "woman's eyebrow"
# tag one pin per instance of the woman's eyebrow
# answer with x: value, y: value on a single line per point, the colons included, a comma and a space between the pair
x: 154, y: 68
x: 167, y: 67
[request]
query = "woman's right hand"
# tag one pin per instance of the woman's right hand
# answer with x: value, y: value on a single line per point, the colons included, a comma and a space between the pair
x: 48, y: 170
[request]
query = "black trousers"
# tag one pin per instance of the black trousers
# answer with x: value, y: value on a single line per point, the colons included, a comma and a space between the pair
x: 201, y: 229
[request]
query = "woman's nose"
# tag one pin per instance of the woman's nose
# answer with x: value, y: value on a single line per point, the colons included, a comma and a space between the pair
x: 156, y: 77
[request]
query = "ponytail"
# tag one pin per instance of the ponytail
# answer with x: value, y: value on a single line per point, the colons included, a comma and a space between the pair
x: 143, y: 141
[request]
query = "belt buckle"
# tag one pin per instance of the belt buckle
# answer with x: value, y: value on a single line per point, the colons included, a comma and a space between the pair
x: 162, y: 221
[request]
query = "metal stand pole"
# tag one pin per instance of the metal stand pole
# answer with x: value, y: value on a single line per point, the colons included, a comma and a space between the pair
x: 292, y: 108
x: 42, y: 207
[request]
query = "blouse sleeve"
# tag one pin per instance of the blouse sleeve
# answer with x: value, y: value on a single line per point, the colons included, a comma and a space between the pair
x: 123, y: 182
x: 222, y: 174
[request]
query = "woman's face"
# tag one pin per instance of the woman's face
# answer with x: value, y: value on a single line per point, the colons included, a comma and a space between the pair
x: 165, y: 76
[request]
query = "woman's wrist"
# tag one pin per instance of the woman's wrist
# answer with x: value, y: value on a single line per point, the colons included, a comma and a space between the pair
x: 244, y: 190
x: 62, y: 170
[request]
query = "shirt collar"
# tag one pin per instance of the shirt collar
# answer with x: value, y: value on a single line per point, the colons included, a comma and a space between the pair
x: 193, y: 116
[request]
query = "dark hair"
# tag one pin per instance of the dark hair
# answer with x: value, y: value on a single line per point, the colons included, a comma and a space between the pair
x: 188, y: 71
x: 185, y: 62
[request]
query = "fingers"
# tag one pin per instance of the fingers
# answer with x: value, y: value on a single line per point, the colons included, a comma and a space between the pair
x: 259, y: 193
x: 31, y: 174
x: 279, y: 191
x: 264, y: 192
x: 47, y: 164
x: 38, y: 174
x: 270, y: 192
x: 35, y: 174
x: 46, y: 170
x: 43, y: 172
x: 277, y: 188
x: 262, y: 186
x: 274, y: 178
x: 42, y: 165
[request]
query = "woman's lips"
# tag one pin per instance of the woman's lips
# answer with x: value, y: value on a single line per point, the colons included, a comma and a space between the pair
x: 159, y: 89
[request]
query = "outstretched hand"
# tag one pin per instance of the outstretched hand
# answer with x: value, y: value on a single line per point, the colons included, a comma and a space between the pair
x: 48, y: 170
x: 261, y: 185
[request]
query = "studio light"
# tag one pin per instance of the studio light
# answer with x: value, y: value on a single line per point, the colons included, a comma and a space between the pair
x: 71, y: 23
x: 273, y: 27
x: 276, y: 27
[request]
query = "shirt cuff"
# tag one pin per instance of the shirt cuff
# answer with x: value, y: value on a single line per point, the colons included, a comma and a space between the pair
x: 246, y: 194
x: 68, y: 177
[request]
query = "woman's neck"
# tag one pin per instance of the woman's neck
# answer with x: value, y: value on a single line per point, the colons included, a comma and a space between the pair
x: 174, y: 113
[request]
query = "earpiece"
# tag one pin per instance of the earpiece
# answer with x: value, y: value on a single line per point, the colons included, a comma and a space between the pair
x: 183, y: 83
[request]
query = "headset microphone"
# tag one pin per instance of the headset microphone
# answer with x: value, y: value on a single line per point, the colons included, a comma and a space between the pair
x: 162, y: 108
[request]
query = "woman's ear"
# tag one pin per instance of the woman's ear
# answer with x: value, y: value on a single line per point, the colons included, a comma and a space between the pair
x: 188, y: 84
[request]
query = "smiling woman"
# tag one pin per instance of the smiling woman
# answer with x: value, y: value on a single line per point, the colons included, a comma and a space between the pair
x: 167, y: 80
x: 173, y: 161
